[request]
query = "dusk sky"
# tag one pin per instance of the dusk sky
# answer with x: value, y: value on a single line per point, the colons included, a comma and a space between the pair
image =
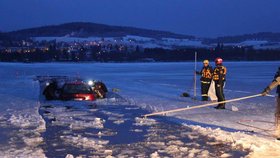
x: 204, y: 18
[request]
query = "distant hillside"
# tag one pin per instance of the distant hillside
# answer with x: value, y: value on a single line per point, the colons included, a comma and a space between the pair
x: 5, y: 39
x: 262, y: 36
x: 3, y: 36
x: 82, y: 29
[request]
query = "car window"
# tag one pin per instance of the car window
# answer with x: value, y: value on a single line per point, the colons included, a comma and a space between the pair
x: 76, y: 88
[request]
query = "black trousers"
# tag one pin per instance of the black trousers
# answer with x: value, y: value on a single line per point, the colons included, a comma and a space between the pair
x: 277, y: 117
x: 204, y: 90
x: 219, y: 87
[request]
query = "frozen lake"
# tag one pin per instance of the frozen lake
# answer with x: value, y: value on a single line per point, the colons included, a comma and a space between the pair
x: 152, y: 86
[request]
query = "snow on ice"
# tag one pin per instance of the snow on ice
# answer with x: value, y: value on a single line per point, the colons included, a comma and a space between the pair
x: 152, y: 86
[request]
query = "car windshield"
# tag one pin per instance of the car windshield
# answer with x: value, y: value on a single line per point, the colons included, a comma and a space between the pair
x: 76, y: 88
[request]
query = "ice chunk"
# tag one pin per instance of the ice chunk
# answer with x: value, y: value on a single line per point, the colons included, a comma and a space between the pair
x: 155, y: 155
x: 98, y: 123
x: 33, y: 141
x: 108, y: 152
x: 225, y: 155
x: 144, y: 121
x: 69, y: 156
x: 234, y: 108
x: 85, y: 142
x: 118, y: 122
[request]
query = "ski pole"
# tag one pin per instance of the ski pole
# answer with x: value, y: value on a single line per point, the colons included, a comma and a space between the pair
x: 194, y: 87
x: 200, y: 106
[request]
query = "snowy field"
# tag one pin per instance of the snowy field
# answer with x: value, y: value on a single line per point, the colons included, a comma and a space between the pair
x: 33, y: 127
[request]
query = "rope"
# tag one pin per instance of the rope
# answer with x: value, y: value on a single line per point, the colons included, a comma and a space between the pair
x: 200, y: 106
x: 267, y: 131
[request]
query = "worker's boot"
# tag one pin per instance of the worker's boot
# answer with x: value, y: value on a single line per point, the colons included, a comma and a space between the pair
x: 204, y: 98
x: 221, y: 106
x: 277, y: 126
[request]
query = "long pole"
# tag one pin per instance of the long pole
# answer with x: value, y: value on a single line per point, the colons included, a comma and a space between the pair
x: 194, y: 86
x: 201, y: 106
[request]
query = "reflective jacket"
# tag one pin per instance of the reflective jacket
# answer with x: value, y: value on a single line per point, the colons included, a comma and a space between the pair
x: 206, y: 74
x: 219, y: 74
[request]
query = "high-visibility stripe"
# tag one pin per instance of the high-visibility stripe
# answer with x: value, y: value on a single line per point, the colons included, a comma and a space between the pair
x: 205, y: 82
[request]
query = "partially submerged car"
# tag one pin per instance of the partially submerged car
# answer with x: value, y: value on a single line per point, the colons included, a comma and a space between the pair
x: 63, y: 88
x: 77, y: 91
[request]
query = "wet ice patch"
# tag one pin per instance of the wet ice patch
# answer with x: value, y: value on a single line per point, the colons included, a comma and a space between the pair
x: 132, y: 108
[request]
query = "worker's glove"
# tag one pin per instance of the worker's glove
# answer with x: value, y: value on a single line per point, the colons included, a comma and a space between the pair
x: 265, y: 91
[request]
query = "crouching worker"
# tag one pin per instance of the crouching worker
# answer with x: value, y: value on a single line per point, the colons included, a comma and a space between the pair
x: 50, y: 91
x: 206, y: 77
x: 100, y: 89
x: 275, y: 83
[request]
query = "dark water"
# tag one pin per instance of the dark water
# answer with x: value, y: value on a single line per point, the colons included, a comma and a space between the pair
x: 124, y: 141
x: 116, y: 133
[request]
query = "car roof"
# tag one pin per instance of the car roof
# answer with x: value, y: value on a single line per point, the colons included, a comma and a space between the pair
x: 75, y: 83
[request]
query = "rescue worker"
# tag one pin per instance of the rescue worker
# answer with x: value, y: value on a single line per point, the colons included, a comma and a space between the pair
x: 275, y: 83
x: 100, y: 89
x: 219, y: 77
x: 206, y: 78
x: 50, y: 91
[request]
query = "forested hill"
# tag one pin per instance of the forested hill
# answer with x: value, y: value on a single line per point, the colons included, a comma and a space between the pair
x: 82, y: 29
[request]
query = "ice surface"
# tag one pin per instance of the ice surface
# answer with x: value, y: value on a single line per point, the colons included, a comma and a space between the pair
x: 153, y: 86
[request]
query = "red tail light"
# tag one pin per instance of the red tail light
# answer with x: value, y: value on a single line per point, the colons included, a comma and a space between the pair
x: 89, y: 97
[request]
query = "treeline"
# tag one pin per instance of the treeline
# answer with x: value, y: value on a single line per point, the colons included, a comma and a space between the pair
x: 148, y: 55
x: 262, y: 36
x: 235, y: 54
